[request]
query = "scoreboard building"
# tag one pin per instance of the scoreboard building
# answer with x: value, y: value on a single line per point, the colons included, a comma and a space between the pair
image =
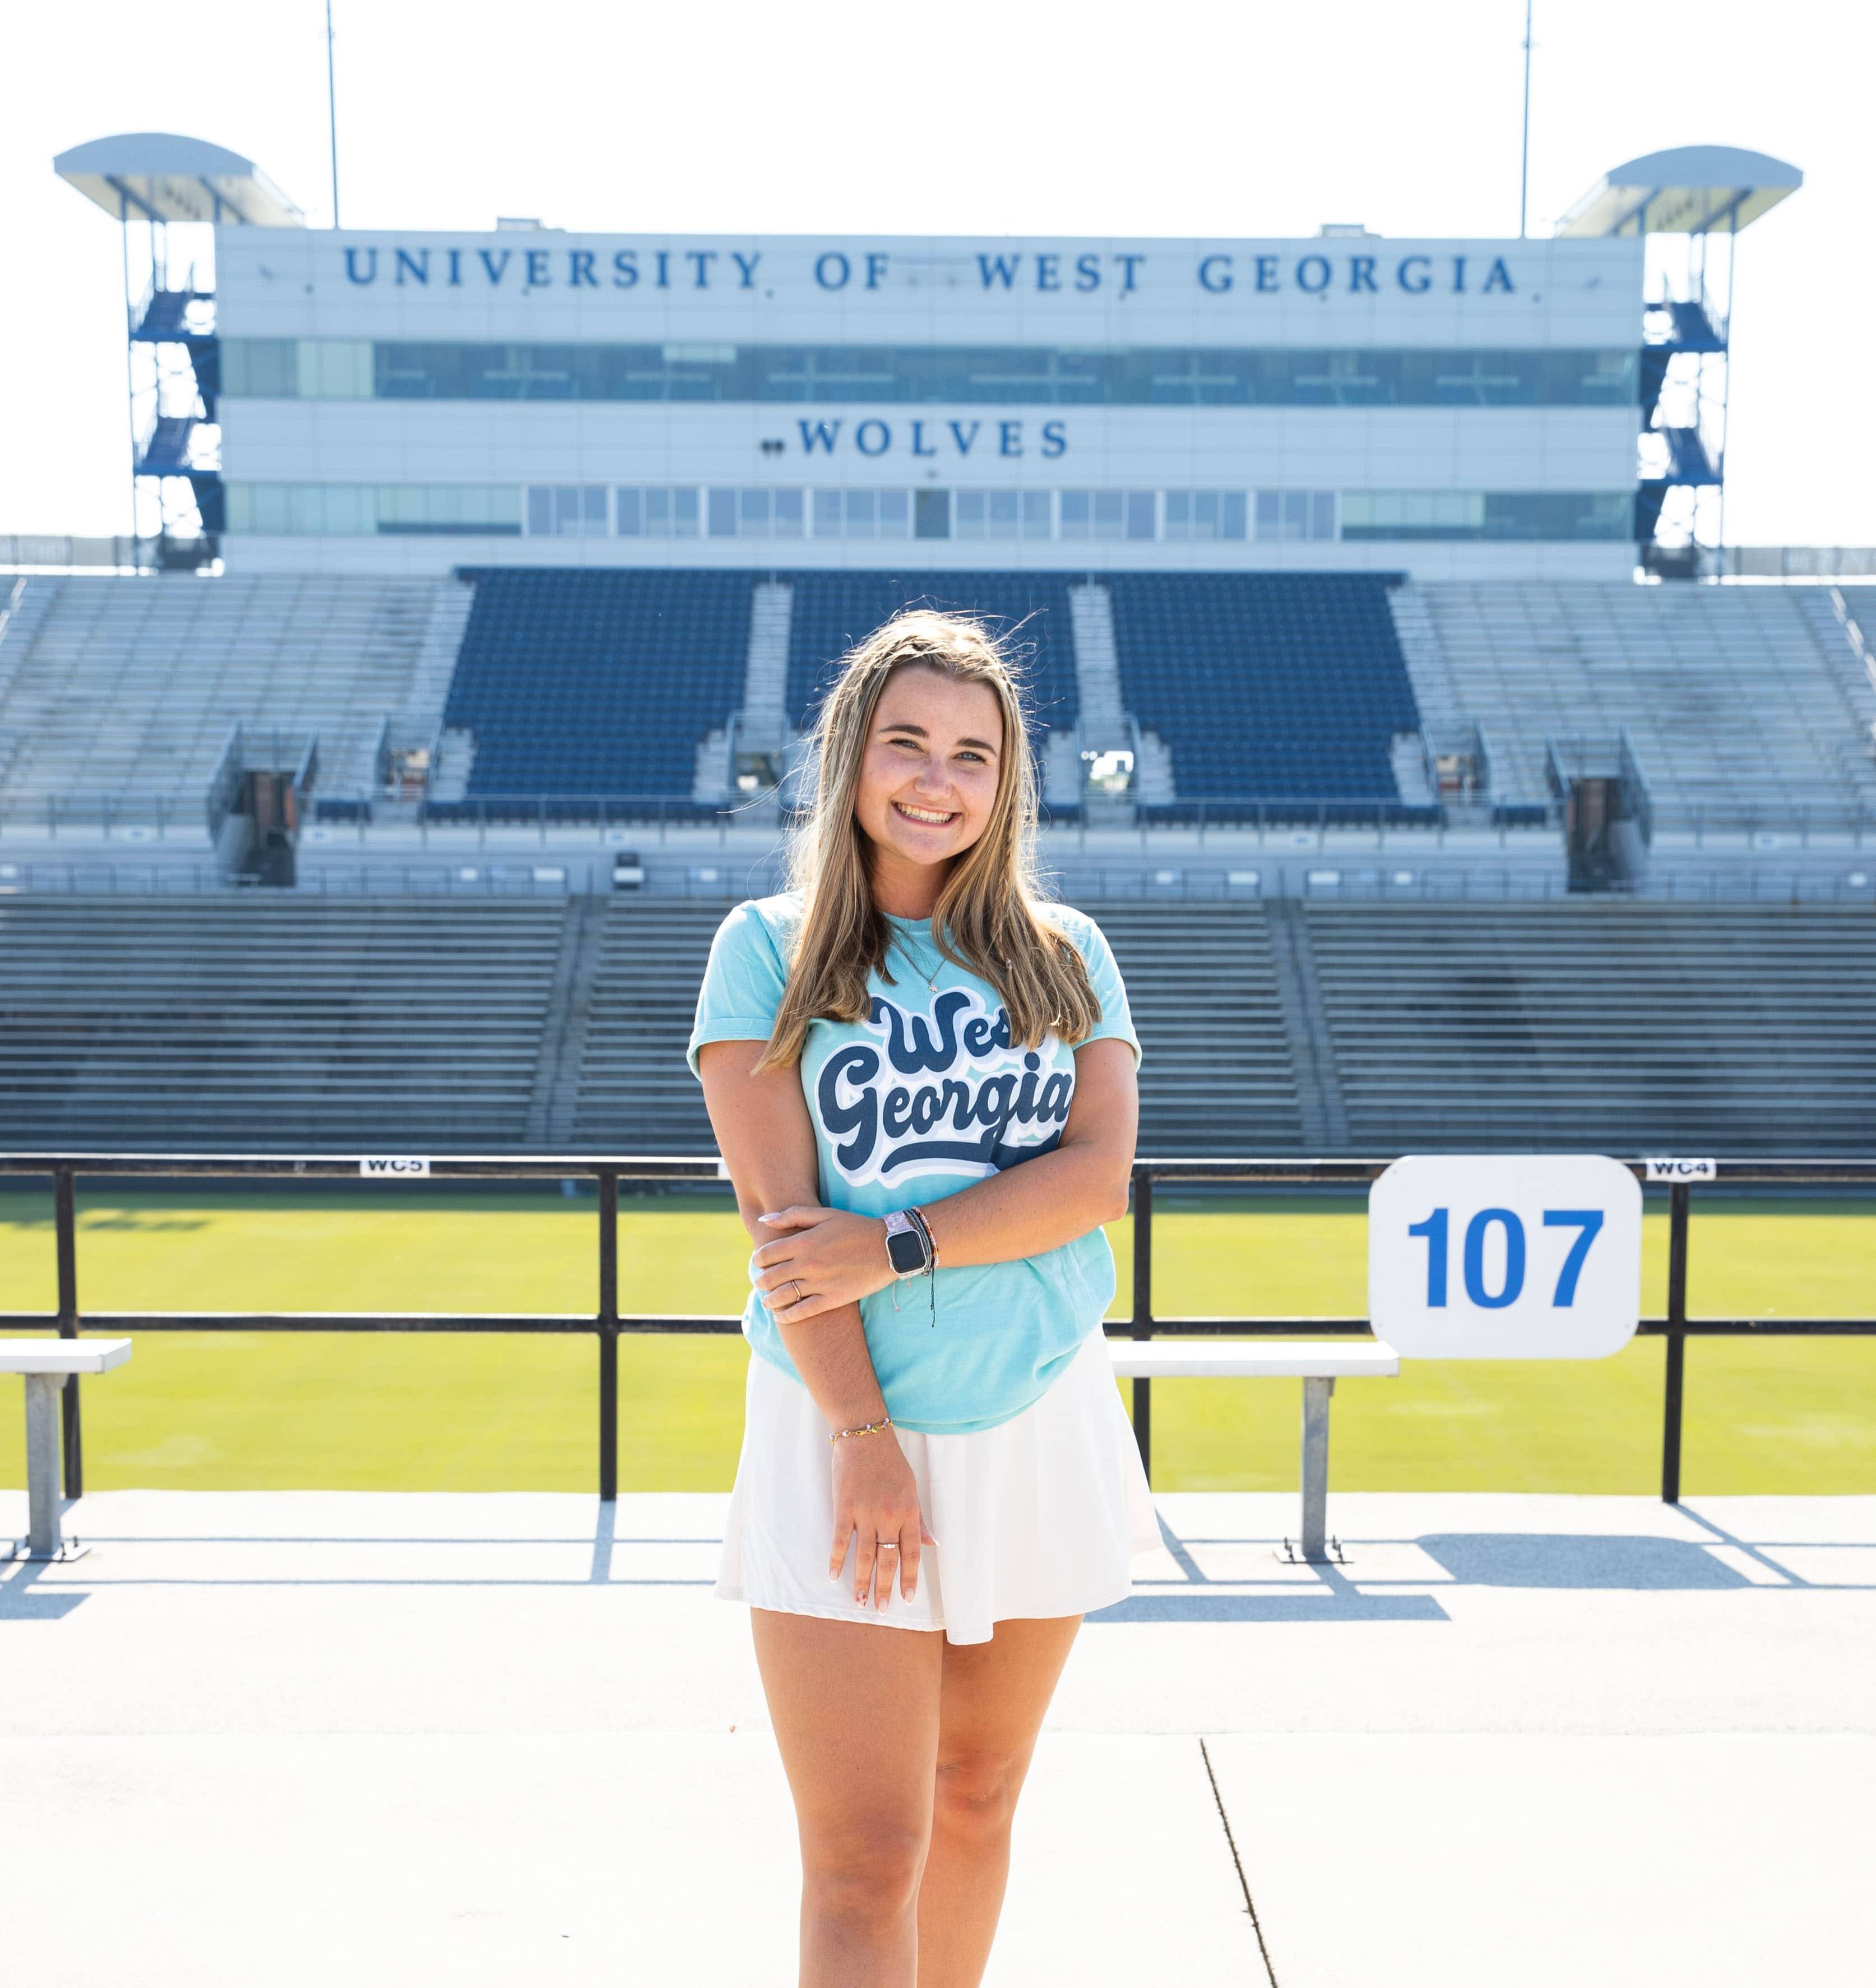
x: 406, y: 403
x: 399, y: 402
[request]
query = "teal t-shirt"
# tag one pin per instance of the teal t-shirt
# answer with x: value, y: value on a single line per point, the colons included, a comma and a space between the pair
x: 926, y: 1097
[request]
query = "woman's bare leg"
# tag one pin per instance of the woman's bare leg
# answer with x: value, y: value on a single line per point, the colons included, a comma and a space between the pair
x: 855, y: 1706
x: 990, y: 1710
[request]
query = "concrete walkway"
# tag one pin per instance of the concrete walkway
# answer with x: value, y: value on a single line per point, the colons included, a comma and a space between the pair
x: 288, y: 1737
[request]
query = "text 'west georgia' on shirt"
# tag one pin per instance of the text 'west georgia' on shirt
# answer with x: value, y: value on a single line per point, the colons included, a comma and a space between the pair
x: 925, y: 1097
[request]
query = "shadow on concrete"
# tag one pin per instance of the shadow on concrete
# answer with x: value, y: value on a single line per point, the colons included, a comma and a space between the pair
x: 603, y: 1531
x: 1333, y: 1598
x: 1577, y: 1559
x: 1337, y: 1604
x: 19, y: 1602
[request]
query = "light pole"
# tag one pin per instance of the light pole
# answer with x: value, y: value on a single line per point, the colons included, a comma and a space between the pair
x: 1524, y: 152
x: 332, y: 106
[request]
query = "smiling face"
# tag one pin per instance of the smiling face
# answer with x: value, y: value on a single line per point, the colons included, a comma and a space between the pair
x: 928, y: 783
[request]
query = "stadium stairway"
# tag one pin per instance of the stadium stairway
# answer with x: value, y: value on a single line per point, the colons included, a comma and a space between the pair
x: 633, y: 1093
x: 1843, y: 620
x: 1107, y: 725
x: 25, y: 602
x: 569, y: 1011
x: 833, y: 609
x: 760, y: 728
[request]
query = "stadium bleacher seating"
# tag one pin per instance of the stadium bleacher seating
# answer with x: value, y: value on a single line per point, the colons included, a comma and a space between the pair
x: 266, y: 1022
x: 1273, y: 692
x: 1271, y: 689
x: 1217, y: 1064
x: 1739, y: 702
x: 269, y: 1020
x: 125, y: 690
x: 1384, y: 1029
x: 272, y: 1022
x: 1601, y: 1025
x: 597, y: 682
x: 833, y: 610
x: 1195, y: 984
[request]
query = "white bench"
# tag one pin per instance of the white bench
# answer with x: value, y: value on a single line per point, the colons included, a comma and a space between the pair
x: 1319, y: 1363
x: 45, y: 1362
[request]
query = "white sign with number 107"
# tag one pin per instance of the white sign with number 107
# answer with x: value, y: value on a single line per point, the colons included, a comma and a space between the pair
x: 1505, y: 1257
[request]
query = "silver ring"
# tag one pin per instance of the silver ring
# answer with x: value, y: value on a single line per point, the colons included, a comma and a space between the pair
x: 885, y: 1545
x: 796, y: 1283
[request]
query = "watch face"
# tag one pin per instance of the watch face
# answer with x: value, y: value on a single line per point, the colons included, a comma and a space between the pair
x: 906, y: 1251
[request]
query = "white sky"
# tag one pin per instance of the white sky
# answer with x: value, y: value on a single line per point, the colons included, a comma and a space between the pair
x: 1215, y: 117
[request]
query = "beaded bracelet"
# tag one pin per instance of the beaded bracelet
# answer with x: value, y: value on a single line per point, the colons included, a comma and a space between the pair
x: 865, y: 1429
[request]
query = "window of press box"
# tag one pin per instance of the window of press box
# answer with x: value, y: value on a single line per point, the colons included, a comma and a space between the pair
x: 1204, y: 514
x: 582, y: 510
x: 644, y: 513
x: 1108, y: 514
x: 1012, y: 375
x: 780, y: 513
x: 566, y: 510
x: 296, y: 369
x: 1296, y: 513
x: 862, y: 514
x: 352, y: 510
x: 1001, y: 514
x: 1531, y: 515
x: 1400, y: 513
x: 931, y: 514
x: 757, y: 514
x: 303, y: 509
x: 466, y: 510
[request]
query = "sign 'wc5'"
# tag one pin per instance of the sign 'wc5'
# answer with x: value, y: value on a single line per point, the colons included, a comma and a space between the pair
x: 1505, y: 1257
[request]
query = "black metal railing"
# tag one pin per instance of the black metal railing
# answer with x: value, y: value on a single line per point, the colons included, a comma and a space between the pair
x: 1675, y: 1326
x: 608, y: 1324
x: 570, y: 873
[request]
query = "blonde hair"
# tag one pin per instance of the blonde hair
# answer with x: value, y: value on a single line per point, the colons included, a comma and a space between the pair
x: 988, y: 917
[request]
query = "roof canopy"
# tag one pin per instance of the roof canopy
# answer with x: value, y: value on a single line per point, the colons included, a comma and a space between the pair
x: 158, y: 176
x: 1692, y: 189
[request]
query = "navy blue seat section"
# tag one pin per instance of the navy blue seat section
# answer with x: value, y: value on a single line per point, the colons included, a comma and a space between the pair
x: 1278, y: 690
x: 589, y: 682
x: 834, y: 611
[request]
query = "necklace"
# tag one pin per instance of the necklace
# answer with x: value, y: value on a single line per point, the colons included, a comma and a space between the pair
x: 931, y: 979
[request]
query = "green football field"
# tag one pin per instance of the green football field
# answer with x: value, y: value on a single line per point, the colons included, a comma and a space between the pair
x: 489, y: 1412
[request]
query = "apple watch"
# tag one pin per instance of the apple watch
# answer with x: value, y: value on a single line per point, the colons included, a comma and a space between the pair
x: 908, y: 1246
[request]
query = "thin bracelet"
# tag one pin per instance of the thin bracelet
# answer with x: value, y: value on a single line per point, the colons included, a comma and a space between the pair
x: 865, y: 1429
x: 917, y: 1215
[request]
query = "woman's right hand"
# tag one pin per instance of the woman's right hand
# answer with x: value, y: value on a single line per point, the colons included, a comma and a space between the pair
x: 876, y: 1498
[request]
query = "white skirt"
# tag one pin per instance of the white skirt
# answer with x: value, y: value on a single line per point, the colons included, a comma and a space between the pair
x: 1037, y: 1516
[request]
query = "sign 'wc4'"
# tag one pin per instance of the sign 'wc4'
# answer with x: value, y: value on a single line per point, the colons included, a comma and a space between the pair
x: 1505, y: 1257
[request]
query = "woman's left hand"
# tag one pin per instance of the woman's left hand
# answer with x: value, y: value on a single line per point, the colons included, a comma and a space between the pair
x: 824, y: 1257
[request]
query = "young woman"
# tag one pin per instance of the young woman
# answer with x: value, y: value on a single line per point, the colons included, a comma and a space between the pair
x: 922, y: 1078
